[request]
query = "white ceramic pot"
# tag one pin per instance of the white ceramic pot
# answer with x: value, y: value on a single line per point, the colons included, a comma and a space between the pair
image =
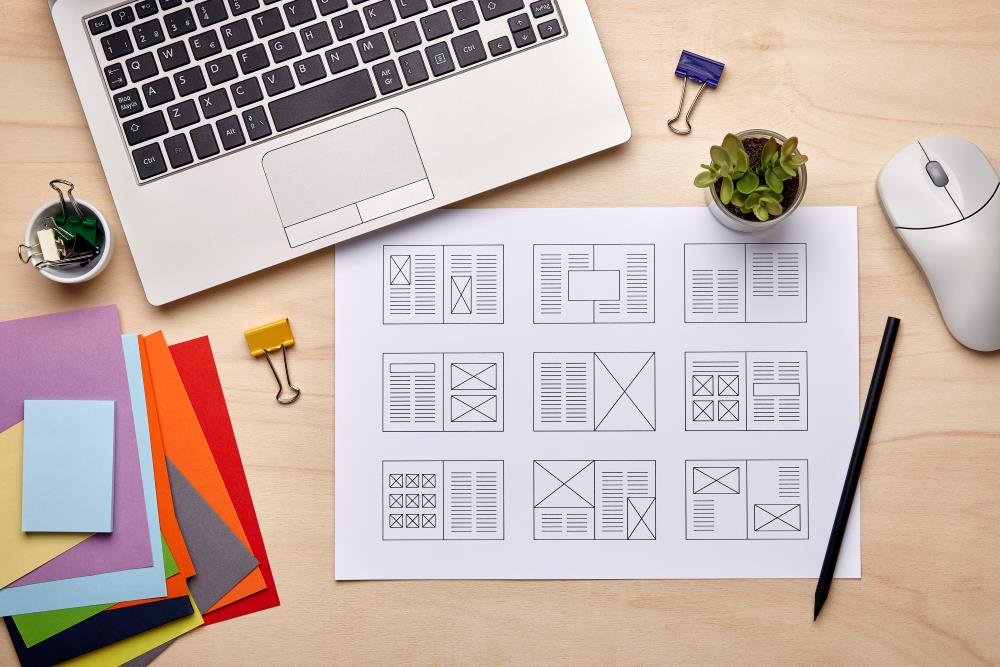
x: 71, y: 274
x: 738, y: 224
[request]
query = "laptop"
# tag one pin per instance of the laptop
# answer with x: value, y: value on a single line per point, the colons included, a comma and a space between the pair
x: 238, y: 134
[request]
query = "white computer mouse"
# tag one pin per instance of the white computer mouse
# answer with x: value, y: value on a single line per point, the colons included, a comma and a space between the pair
x: 940, y: 195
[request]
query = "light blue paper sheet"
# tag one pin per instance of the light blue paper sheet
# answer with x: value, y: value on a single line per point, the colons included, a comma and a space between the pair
x: 138, y: 584
x: 69, y: 459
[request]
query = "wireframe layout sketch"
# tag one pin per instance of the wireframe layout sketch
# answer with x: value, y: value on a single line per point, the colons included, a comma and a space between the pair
x: 447, y: 284
x: 594, y: 500
x: 588, y: 391
x: 764, y: 499
x: 745, y: 282
x: 442, y: 500
x: 586, y: 284
x: 746, y: 391
x: 461, y: 391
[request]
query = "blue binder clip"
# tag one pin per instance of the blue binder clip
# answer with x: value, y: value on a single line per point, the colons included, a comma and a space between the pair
x: 701, y: 70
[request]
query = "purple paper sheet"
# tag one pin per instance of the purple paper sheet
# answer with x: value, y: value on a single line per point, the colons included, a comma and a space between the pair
x: 78, y: 356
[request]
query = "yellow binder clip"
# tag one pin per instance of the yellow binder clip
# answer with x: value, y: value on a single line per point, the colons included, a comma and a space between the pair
x: 264, y: 340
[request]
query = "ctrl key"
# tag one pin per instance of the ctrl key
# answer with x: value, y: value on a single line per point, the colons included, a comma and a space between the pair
x: 149, y: 161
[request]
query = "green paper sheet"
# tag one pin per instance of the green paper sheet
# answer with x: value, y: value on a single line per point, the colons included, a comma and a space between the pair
x: 39, y: 626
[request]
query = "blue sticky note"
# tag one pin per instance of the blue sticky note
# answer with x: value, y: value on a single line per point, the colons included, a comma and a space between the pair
x: 69, y: 459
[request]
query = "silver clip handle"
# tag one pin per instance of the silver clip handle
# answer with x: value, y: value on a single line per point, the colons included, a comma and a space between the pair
x: 287, y: 400
x: 680, y: 109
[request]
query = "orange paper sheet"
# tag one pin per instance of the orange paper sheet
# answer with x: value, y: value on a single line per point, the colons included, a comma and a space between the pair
x: 184, y: 443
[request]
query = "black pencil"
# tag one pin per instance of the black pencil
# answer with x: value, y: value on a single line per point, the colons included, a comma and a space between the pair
x: 854, y: 469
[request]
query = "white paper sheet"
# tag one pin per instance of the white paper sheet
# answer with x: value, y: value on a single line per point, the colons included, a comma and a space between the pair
x: 595, y: 393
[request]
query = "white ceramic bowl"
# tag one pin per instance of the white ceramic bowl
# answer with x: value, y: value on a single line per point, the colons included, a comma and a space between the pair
x: 72, y: 274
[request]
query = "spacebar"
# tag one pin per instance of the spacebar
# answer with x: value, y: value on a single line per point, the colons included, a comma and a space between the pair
x: 322, y: 100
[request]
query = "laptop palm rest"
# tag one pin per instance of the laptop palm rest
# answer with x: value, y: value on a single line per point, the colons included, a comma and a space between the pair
x: 347, y: 176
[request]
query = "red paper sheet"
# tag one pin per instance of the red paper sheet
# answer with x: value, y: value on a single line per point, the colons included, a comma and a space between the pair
x: 196, y: 365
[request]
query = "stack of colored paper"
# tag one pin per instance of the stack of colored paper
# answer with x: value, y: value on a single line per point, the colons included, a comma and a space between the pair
x: 183, y: 547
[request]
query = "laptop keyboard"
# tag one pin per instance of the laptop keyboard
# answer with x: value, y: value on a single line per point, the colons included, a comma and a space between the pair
x: 193, y: 81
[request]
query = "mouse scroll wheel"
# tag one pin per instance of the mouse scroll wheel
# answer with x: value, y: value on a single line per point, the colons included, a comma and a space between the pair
x: 936, y: 172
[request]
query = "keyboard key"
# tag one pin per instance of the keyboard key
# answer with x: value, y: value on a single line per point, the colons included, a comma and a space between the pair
x: 309, y: 70
x: 214, y: 103
x: 170, y: 4
x: 519, y: 22
x: 158, y: 92
x: 144, y: 128
x: 413, y: 68
x: 493, y: 9
x: 298, y: 12
x: 205, y: 44
x: 284, y: 48
x: 408, y: 8
x: 372, y: 48
x: 465, y: 15
x: 326, y: 98
x: 115, y: 75
x: 117, y: 45
x: 278, y: 81
x: 183, y: 115
x: 221, y: 70
x: 316, y: 36
x: 500, y: 46
x: 439, y: 57
x: 469, y: 48
x: 436, y: 25
x: 238, y: 7
x: 236, y: 34
x: 127, y: 103
x: 327, y: 7
x: 146, y: 8
x: 122, y: 16
x: 341, y: 59
x: 405, y: 36
x: 173, y: 56
x: 149, y: 161
x: 142, y: 67
x: 253, y: 59
x: 524, y: 37
x: 148, y: 34
x: 190, y: 81
x: 257, y: 124
x: 387, y: 77
x: 178, y: 151
x: 441, y: 3
x: 348, y: 25
x: 549, y: 29
x: 231, y: 133
x: 541, y: 8
x: 179, y: 23
x: 247, y: 92
x: 268, y: 23
x: 99, y: 24
x: 379, y: 14
x: 204, y: 142
x: 211, y: 12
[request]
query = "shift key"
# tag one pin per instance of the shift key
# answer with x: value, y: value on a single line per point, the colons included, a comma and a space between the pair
x: 495, y: 8
x: 322, y: 100
x: 144, y: 128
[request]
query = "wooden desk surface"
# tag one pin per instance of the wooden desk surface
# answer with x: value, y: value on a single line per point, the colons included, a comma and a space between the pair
x: 855, y: 81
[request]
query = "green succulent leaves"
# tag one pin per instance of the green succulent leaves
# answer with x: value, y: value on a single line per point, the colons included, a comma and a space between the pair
x: 756, y: 191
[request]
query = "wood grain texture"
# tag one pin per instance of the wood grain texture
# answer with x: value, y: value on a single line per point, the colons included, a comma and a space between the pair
x: 855, y: 81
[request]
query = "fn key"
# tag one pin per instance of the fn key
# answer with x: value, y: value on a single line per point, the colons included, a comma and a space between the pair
x: 149, y: 161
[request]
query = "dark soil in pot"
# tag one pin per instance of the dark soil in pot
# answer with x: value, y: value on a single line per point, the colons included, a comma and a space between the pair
x: 754, y: 146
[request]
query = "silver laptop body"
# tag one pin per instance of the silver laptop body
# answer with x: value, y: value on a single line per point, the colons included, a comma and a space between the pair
x: 237, y: 134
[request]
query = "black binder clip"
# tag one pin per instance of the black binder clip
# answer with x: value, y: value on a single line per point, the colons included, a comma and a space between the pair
x: 701, y: 70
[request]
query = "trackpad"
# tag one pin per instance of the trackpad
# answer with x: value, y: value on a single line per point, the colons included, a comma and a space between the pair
x: 339, y: 179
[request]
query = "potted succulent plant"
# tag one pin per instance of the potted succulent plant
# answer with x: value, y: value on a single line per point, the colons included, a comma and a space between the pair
x: 755, y: 180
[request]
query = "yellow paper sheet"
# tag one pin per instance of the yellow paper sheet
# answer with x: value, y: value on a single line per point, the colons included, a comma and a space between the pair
x: 133, y: 647
x: 20, y: 552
